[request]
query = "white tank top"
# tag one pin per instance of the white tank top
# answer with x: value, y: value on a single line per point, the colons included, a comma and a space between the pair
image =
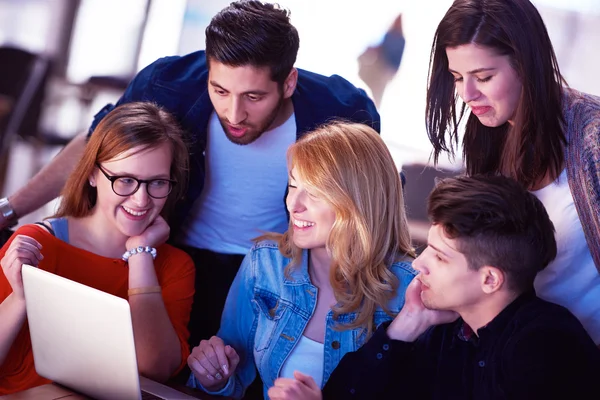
x: 307, y: 357
x: 572, y: 279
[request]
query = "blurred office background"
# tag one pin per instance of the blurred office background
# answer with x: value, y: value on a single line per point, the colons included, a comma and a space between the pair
x: 82, y: 53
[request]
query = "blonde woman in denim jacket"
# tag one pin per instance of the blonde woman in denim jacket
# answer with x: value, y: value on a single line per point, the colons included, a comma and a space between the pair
x: 303, y: 299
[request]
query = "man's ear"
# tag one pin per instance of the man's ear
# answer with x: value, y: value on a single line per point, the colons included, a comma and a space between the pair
x: 492, y: 279
x: 289, y: 85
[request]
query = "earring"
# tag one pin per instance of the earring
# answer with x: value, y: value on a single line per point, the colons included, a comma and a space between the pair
x: 92, y: 184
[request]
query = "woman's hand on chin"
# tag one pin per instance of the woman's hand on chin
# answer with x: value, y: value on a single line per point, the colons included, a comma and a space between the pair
x: 154, y: 235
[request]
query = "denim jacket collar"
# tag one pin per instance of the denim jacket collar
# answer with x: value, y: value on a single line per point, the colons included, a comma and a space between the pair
x: 299, y: 273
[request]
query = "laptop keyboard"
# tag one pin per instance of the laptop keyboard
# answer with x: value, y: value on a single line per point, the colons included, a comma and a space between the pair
x: 150, y: 396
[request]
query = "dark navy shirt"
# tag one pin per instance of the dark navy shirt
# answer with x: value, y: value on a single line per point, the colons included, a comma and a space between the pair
x: 180, y: 85
x: 533, y: 349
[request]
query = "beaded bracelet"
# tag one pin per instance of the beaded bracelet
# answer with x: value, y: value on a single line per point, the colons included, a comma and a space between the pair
x: 138, y: 250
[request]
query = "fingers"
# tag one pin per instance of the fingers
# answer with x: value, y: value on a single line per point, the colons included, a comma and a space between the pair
x: 275, y: 393
x: 416, y: 283
x: 199, y: 371
x: 233, y: 357
x: 212, y: 362
x: 27, y: 239
x: 28, y: 251
x: 22, y: 250
x: 295, y: 389
x: 202, y: 369
x: 307, y: 380
x: 218, y: 347
x: 25, y: 249
x: 413, y: 292
x: 154, y: 235
x: 160, y: 220
x: 279, y: 390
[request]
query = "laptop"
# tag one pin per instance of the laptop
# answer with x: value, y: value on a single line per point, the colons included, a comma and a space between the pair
x: 82, y: 338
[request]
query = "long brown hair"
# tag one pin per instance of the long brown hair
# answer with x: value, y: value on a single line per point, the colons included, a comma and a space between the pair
x: 534, y: 145
x: 349, y: 166
x: 131, y: 125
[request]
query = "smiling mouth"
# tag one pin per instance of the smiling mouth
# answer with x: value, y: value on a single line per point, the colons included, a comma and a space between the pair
x: 303, y: 224
x: 133, y: 212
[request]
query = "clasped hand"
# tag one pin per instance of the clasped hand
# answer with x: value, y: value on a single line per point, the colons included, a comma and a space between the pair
x: 154, y: 235
x: 212, y: 363
x: 22, y: 250
x: 415, y: 318
x: 301, y: 387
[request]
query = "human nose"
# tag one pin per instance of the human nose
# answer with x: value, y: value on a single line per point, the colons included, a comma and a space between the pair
x: 295, y: 201
x: 419, y: 264
x: 236, y: 113
x: 141, y: 197
x: 470, y: 91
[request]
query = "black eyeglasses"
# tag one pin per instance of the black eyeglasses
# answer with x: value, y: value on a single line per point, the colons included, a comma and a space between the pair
x: 128, y: 185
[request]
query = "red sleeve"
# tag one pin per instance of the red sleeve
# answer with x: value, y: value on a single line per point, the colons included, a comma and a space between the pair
x: 34, y: 231
x: 18, y: 371
x: 176, y: 275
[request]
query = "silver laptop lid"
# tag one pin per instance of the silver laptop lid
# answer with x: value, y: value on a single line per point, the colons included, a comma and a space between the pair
x: 81, y: 337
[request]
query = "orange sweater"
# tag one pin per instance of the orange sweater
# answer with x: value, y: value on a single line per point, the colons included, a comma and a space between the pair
x: 174, y: 269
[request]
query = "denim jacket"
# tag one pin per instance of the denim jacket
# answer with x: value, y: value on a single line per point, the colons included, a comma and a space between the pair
x: 266, y: 313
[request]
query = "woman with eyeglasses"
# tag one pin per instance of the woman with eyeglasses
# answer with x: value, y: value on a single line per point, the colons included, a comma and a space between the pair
x: 109, y: 233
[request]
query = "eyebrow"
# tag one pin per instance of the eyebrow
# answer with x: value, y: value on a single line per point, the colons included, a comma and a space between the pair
x: 255, y: 92
x: 127, y: 175
x: 475, y: 71
x: 438, y: 250
x: 292, y: 175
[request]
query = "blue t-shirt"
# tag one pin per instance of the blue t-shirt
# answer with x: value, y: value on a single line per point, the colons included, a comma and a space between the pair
x: 232, y: 172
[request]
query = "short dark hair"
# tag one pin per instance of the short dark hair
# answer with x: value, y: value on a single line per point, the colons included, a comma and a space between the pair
x: 496, y: 222
x: 249, y: 32
x: 534, y: 145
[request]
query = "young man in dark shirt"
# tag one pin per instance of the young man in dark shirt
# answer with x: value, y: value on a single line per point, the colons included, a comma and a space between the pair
x: 472, y: 326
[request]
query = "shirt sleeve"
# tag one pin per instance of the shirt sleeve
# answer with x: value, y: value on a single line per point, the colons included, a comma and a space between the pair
x: 590, y: 183
x: 238, y: 326
x: 177, y: 279
x: 5, y: 288
x: 377, y: 370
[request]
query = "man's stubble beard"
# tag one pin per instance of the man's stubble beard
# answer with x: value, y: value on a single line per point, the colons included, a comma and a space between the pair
x: 252, y: 135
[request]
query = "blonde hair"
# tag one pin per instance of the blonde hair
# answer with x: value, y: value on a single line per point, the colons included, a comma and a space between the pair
x: 349, y: 166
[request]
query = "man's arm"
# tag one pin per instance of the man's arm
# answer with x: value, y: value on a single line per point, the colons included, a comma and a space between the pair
x: 46, y: 184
